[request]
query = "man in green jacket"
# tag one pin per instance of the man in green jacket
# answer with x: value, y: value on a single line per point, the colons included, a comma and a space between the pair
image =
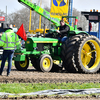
x: 9, y: 40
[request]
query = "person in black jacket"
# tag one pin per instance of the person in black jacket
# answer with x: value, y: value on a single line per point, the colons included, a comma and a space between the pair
x: 63, y: 31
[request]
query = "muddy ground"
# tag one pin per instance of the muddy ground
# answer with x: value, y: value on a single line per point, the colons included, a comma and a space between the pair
x: 33, y: 76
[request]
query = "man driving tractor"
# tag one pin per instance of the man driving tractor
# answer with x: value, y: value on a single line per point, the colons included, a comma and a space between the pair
x: 63, y: 31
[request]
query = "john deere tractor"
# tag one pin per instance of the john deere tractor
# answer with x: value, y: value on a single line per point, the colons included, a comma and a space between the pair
x: 80, y: 52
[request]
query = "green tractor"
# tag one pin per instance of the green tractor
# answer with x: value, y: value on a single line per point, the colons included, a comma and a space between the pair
x: 80, y: 52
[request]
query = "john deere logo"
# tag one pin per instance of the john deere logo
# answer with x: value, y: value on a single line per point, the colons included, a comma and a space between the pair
x: 28, y: 42
x: 59, y: 2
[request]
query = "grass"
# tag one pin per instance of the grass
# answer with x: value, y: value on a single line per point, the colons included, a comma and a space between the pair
x: 33, y: 87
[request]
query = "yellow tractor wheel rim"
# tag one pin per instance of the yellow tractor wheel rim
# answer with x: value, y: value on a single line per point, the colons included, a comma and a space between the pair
x: 46, y: 63
x: 23, y: 63
x: 86, y: 54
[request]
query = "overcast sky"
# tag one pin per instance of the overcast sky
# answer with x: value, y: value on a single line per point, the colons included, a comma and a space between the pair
x: 81, y: 5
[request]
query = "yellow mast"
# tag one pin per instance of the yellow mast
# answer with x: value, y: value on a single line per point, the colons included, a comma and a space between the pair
x: 30, y: 19
x: 37, y: 30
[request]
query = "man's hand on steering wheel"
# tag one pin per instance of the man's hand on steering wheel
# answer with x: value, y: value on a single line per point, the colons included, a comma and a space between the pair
x: 57, y: 31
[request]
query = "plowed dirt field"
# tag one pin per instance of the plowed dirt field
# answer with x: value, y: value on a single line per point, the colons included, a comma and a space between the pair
x: 33, y: 76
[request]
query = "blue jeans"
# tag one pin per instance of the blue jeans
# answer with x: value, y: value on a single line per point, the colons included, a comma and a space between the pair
x: 7, y: 54
x: 62, y: 39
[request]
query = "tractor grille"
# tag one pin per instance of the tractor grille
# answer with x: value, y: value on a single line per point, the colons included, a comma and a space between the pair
x: 40, y: 47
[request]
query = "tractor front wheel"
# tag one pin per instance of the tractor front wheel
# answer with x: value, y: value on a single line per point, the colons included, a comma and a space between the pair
x: 22, y: 65
x: 45, y: 63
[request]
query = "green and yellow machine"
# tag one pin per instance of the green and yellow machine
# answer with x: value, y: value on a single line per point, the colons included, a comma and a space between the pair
x: 80, y: 52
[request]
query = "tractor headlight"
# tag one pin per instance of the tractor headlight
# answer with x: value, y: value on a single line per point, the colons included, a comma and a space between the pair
x: 28, y: 42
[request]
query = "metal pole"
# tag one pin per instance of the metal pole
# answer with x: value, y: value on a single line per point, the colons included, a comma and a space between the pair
x: 6, y: 14
x: 44, y: 30
x: 70, y: 11
x: 50, y: 17
x: 99, y: 31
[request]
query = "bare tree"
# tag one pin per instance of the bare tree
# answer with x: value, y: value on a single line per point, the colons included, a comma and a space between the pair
x: 2, y: 13
x: 23, y: 16
x: 19, y: 17
x: 82, y: 22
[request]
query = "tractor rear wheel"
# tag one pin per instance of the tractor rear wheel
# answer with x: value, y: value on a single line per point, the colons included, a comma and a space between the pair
x: 45, y: 63
x: 22, y: 65
x: 81, y: 53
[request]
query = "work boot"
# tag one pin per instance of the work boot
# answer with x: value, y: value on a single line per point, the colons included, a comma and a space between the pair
x: 8, y: 74
x: 0, y: 74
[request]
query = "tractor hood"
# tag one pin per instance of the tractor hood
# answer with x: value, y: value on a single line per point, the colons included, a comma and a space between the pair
x: 41, y: 40
x: 33, y: 43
